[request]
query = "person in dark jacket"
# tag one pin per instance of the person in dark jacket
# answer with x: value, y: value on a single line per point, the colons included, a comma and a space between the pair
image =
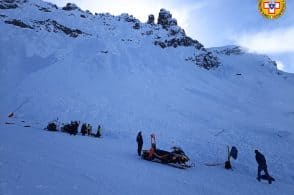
x: 84, y: 129
x: 140, y: 143
x: 98, y: 134
x: 260, y: 159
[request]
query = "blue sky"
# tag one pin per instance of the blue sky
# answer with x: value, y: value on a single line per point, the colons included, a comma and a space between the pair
x: 215, y: 23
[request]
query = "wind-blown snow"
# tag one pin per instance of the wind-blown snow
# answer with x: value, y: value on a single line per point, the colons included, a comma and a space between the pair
x: 114, y: 75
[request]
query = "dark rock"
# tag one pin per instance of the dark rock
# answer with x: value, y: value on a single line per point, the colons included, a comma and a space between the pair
x: 165, y: 19
x: 52, y: 25
x: 176, y: 35
x: 183, y: 41
x: 70, y: 6
x: 104, y: 51
x: 207, y: 60
x: 232, y: 51
x: 83, y: 16
x: 174, y: 30
x: 150, y: 19
x: 161, y: 44
x: 8, y: 6
x: 53, y: 5
x: 18, y: 23
x: 136, y: 26
x: 148, y: 32
x: 11, y: 4
x: 129, y: 18
x: 88, y: 12
x: 44, y: 9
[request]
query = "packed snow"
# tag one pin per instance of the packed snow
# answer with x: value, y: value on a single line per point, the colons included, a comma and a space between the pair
x: 100, y: 70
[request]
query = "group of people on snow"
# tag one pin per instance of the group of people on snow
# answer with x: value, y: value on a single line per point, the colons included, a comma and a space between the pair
x: 86, y: 129
x: 260, y: 159
x: 73, y: 127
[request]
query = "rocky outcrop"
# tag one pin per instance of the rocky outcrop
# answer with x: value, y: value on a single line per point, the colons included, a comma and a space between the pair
x: 205, y: 60
x: 165, y: 19
x: 150, y: 19
x: 54, y: 26
x: 176, y: 35
x: 136, y: 26
x: 166, y: 33
x: 49, y: 25
x: 129, y: 18
x: 229, y: 50
x: 70, y: 6
x: 18, y: 23
x: 44, y: 9
x: 10, y: 4
x: 176, y: 42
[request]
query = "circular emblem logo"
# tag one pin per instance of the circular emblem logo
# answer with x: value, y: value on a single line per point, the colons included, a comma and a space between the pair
x: 272, y: 9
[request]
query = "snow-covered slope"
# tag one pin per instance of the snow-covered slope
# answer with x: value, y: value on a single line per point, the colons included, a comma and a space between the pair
x: 131, y: 76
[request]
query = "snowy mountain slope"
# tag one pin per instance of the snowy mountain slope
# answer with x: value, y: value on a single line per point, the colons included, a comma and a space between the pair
x: 100, y: 68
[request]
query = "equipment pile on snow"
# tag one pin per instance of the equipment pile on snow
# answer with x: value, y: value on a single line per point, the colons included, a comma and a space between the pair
x: 52, y: 126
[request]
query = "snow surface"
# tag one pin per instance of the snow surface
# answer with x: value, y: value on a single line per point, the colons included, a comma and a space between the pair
x: 117, y: 77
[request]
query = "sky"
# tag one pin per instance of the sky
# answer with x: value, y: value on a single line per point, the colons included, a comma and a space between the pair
x: 215, y: 23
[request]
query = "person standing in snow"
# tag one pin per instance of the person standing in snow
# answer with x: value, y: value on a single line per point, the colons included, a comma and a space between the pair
x: 89, y: 129
x: 260, y: 159
x: 98, y: 134
x: 153, y: 146
x: 153, y: 141
x: 84, y: 129
x: 140, y: 143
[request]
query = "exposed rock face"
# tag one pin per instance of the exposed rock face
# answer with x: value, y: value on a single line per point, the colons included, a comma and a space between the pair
x: 232, y: 50
x: 166, y: 33
x: 10, y: 4
x: 129, y: 18
x: 150, y: 19
x: 18, y: 23
x: 44, y: 9
x: 176, y: 35
x: 54, y: 26
x: 205, y: 60
x: 70, y: 6
x: 49, y: 25
x: 136, y: 26
x: 175, y: 42
x: 165, y: 19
